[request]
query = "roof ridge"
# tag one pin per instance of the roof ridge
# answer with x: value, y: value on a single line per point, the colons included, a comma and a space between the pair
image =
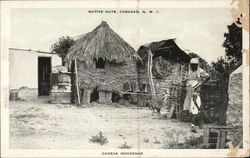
x: 102, y: 42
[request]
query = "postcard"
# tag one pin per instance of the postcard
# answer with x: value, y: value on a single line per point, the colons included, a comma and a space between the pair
x: 125, y: 78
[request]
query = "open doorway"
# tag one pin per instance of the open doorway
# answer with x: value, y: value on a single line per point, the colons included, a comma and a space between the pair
x: 44, y: 70
x: 94, y: 97
x: 115, y: 97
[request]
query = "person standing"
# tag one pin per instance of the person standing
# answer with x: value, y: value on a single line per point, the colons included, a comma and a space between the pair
x: 196, y: 77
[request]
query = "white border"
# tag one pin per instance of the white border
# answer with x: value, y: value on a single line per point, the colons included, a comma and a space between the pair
x: 5, y: 23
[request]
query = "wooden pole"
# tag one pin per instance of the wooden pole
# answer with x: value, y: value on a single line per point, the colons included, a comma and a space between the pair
x: 148, y: 72
x: 77, y: 86
x: 150, y: 61
x: 151, y: 64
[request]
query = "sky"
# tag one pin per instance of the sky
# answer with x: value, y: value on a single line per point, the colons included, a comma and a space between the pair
x: 198, y: 30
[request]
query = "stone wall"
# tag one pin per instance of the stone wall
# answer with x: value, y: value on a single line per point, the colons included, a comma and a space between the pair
x: 213, y: 96
x: 214, y: 100
x: 234, y: 113
x: 235, y: 106
x: 109, y: 79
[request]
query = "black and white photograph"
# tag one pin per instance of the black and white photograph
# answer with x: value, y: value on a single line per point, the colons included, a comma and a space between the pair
x: 125, y: 81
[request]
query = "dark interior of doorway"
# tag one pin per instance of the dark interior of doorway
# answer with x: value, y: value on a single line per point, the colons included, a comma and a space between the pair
x: 94, y: 97
x: 44, y: 70
x: 115, y: 97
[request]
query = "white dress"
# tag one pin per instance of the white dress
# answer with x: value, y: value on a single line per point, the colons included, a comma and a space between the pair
x: 193, y: 108
x: 193, y: 81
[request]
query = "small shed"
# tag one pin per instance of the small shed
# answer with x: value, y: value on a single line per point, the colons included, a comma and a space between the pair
x: 169, y: 68
x: 29, y: 72
x: 105, y: 62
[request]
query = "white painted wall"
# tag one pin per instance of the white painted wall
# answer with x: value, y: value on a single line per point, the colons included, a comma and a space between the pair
x: 23, y: 67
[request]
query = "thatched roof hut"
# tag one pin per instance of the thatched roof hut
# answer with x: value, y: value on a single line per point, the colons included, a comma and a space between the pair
x: 103, y: 43
x: 169, y: 67
x: 105, y: 62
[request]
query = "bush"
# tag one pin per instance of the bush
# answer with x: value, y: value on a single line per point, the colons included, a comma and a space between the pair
x: 174, y: 135
x: 189, y: 143
x: 193, y: 142
x: 99, y: 138
x: 125, y: 146
x: 156, y: 104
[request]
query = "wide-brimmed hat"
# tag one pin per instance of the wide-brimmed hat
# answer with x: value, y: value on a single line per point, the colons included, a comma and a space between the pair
x: 194, y: 61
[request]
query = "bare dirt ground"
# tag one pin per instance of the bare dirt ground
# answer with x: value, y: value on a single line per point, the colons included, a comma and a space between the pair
x: 40, y: 125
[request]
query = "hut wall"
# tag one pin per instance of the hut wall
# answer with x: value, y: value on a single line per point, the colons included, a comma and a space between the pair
x: 170, y: 89
x: 111, y: 78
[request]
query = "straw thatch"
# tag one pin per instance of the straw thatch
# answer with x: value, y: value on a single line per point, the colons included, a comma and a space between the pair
x: 165, y: 48
x: 103, y: 43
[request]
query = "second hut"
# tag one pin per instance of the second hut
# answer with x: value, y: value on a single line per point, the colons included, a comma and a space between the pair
x: 168, y: 64
x: 104, y: 62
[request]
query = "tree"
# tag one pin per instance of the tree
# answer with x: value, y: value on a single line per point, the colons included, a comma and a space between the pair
x: 233, y: 55
x: 62, y: 46
x: 233, y: 45
x: 224, y: 66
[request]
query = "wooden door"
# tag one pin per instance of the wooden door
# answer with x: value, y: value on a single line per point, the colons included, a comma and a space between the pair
x: 44, y: 70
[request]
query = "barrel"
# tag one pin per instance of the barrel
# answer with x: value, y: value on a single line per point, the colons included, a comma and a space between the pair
x: 13, y: 94
x: 63, y: 78
x: 59, y: 78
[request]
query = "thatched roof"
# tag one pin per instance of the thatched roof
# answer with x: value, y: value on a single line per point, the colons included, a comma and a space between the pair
x: 103, y: 43
x: 166, y: 48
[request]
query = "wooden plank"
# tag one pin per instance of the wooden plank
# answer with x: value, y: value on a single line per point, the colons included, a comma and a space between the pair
x: 218, y: 140
x: 223, y: 139
x: 108, y: 97
x: 86, y: 96
x: 214, y: 130
x: 222, y: 133
x: 206, y: 135
x: 138, y: 93
x: 226, y: 130
x: 170, y: 114
x: 102, y: 98
x: 220, y: 127
x: 177, y: 111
